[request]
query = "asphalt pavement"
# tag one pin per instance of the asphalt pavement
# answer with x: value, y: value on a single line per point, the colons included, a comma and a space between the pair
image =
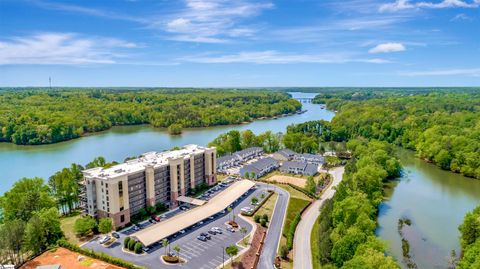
x: 199, y: 255
x: 272, y: 240
x: 302, y: 253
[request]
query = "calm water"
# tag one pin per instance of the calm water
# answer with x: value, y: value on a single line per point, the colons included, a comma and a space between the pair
x: 120, y: 142
x: 436, y: 202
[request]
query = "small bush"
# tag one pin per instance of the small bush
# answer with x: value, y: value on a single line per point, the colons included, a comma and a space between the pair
x: 126, y: 242
x: 284, y: 252
x: 263, y: 222
x: 291, y: 231
x: 97, y: 255
x: 151, y: 210
x: 131, y: 245
x: 138, y: 248
x: 161, y: 207
x: 265, y: 217
x: 257, y: 218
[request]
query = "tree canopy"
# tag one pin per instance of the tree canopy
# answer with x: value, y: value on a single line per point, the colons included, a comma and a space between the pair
x: 50, y: 116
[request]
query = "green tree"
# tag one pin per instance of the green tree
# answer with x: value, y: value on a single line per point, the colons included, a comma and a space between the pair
x: 243, y: 231
x: 175, y: 129
x: 165, y: 245
x: 311, y: 186
x: 11, y: 241
x: 231, y: 251
x: 177, y: 249
x: 27, y: 196
x: 254, y: 200
x: 84, y: 226
x: 105, y: 225
x: 65, y: 187
x: 126, y: 242
x: 138, y: 248
x: 42, y: 230
x: 470, y: 228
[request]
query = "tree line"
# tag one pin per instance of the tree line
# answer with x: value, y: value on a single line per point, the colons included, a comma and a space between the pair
x: 443, y: 128
x: 347, y: 222
x: 50, y: 116
x: 470, y: 241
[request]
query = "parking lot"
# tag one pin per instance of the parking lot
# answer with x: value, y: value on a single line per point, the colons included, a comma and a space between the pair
x: 199, y: 254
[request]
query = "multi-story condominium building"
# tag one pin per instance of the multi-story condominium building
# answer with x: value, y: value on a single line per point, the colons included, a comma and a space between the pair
x: 259, y: 168
x: 309, y: 158
x: 301, y: 168
x: 121, y: 191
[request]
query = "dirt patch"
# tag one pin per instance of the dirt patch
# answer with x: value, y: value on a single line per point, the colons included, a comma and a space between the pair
x: 67, y: 259
x: 248, y: 258
x: 297, y: 181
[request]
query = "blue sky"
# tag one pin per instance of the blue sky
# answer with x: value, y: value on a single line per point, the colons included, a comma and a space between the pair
x: 215, y: 43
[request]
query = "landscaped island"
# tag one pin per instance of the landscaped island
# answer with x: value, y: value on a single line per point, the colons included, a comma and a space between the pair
x: 35, y: 116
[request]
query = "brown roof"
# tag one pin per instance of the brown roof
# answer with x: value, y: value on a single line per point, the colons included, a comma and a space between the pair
x: 181, y: 221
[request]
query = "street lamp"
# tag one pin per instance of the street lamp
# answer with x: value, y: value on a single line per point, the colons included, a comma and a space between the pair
x: 223, y: 255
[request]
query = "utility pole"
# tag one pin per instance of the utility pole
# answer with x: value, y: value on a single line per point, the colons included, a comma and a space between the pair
x: 50, y: 82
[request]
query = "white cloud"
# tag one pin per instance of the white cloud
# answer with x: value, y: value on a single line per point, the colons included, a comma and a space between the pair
x: 461, y: 17
x: 275, y: 57
x: 475, y: 72
x: 61, y: 48
x: 399, y: 5
x: 212, y: 21
x: 388, y: 47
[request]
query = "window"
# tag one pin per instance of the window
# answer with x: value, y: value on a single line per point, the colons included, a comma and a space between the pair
x: 121, y: 209
x: 122, y: 218
x: 106, y: 185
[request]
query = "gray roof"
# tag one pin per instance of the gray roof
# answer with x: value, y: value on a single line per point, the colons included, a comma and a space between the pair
x: 260, y: 164
x: 248, y: 150
x: 226, y: 158
x: 300, y: 165
x: 286, y: 152
x: 51, y: 266
x: 312, y: 156
x: 311, y: 169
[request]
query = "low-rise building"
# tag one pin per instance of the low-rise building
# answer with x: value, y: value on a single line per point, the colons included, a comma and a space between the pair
x: 236, y: 158
x: 123, y: 190
x: 309, y: 158
x: 299, y: 168
x: 259, y: 168
x: 283, y: 155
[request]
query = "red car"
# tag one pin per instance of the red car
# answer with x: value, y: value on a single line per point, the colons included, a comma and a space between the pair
x: 156, y: 218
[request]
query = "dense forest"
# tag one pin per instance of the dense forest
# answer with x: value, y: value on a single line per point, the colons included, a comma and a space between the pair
x: 443, y: 128
x: 470, y: 241
x: 347, y: 222
x: 47, y: 116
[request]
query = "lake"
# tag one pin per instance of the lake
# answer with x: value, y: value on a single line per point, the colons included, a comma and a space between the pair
x: 436, y: 202
x: 117, y: 143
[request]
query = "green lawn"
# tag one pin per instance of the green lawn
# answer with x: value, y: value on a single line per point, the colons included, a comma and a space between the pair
x: 295, y: 205
x: 66, y: 223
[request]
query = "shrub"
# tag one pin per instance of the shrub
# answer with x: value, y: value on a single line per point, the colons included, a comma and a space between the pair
x: 126, y: 241
x: 265, y: 217
x: 131, y: 245
x: 138, y: 248
x: 291, y: 231
x: 142, y: 213
x: 257, y: 218
x: 97, y: 255
x: 284, y: 252
x: 151, y: 210
x: 263, y: 222
x: 161, y: 207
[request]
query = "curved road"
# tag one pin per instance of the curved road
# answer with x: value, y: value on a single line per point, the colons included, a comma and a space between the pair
x: 302, y: 253
x: 274, y: 232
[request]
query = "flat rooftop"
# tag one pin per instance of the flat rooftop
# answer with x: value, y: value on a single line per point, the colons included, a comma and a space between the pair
x: 182, y: 221
x: 152, y: 158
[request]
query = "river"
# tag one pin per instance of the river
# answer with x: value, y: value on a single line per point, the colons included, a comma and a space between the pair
x: 117, y: 143
x: 436, y: 202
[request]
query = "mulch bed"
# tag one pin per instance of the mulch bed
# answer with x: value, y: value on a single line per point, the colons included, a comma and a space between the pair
x: 249, y: 257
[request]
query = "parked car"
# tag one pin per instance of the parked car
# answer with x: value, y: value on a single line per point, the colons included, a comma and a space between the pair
x: 135, y: 227
x: 105, y: 239
x: 217, y: 230
x: 212, y: 232
x: 230, y: 229
x: 163, y: 216
x: 145, y: 249
x: 184, y: 208
x: 206, y: 235
x: 116, y: 235
x: 202, y: 238
x: 182, y: 231
x: 155, y: 218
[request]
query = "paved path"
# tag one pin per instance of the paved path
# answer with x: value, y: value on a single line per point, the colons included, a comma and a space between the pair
x: 272, y: 240
x: 302, y: 253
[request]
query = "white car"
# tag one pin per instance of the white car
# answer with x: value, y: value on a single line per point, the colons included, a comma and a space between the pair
x: 105, y: 239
